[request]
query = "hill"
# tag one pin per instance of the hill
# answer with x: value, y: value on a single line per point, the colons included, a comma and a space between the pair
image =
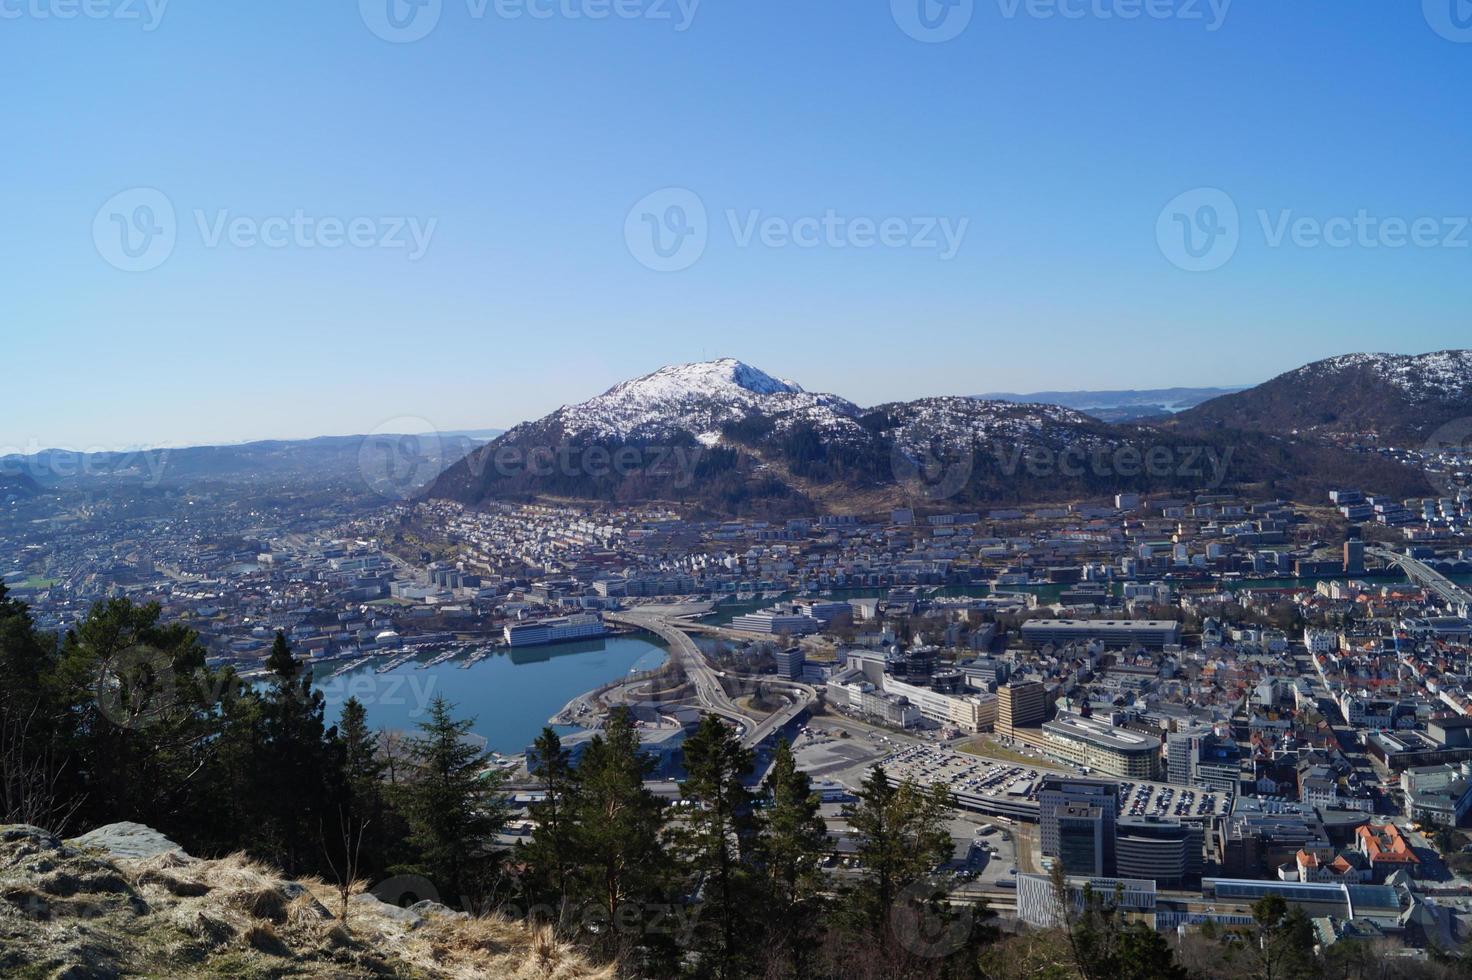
x: 1393, y: 399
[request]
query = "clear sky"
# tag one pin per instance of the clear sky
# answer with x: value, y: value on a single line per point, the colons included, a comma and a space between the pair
x: 1050, y: 145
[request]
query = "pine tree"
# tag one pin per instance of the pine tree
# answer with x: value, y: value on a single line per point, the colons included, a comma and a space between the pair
x: 716, y: 839
x: 133, y: 703
x: 454, y: 807
x: 622, y: 862
x: 551, y: 855
x: 902, y: 839
x: 370, y: 813
x: 796, y: 841
x: 297, y: 767
x: 281, y: 663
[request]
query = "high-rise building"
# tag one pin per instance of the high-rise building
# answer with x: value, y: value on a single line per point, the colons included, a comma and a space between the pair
x: 1166, y: 852
x: 1077, y: 802
x: 791, y: 663
x: 1081, y: 844
x: 1020, y: 705
x: 1354, y: 557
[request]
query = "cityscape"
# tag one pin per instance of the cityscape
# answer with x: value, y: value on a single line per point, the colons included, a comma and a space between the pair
x: 655, y: 490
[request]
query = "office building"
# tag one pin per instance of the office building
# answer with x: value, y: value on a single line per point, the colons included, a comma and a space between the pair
x: 791, y: 663
x: 1081, y: 846
x: 1165, y: 851
x: 558, y: 630
x: 776, y: 622
x: 1020, y: 705
x: 1154, y: 633
x: 1066, y: 808
x: 1102, y: 747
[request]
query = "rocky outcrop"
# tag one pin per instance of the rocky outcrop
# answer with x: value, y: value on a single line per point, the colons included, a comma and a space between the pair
x: 124, y: 900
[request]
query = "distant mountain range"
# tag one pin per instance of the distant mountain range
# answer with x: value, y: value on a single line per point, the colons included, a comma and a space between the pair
x: 730, y: 438
x: 381, y: 460
x: 1119, y: 406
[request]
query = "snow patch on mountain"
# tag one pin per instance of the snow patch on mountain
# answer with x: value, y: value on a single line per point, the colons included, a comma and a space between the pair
x: 1440, y: 375
x: 700, y: 399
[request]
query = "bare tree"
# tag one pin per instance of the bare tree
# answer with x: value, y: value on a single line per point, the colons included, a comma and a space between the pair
x: 31, y: 778
x: 350, y: 836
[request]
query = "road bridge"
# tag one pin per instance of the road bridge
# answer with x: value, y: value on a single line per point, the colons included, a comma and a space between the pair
x: 707, y: 682
x: 1449, y: 592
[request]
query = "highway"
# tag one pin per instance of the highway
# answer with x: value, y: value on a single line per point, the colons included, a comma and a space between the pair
x: 1427, y: 577
x: 707, y: 683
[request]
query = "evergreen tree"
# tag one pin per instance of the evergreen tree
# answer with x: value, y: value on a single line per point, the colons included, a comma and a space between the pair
x: 281, y: 663
x: 551, y: 856
x: 369, y: 811
x: 795, y: 843
x: 296, y: 768
x: 716, y: 840
x: 902, y: 839
x: 454, y: 807
x: 618, y: 820
x: 1106, y: 947
x: 1284, y: 940
x: 133, y: 709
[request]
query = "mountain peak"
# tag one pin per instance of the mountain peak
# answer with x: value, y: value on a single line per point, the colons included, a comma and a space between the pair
x: 704, y: 378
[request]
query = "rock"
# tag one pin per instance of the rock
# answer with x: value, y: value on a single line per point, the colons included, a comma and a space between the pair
x: 129, y: 841
x: 372, y: 905
x: 434, y: 910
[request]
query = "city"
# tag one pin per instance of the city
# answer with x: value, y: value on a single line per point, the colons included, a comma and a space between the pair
x: 665, y: 490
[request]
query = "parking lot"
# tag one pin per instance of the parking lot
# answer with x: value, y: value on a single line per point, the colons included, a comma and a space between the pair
x: 982, y: 782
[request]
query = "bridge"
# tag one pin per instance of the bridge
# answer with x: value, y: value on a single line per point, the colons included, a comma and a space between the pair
x: 1449, y: 592
x: 707, y: 683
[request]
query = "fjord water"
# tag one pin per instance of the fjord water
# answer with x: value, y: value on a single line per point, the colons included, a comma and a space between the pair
x: 510, y: 694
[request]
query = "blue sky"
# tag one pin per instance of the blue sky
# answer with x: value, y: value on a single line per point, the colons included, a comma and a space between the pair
x: 519, y: 146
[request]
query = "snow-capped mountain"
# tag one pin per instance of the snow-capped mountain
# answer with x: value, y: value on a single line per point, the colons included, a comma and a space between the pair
x: 701, y: 399
x: 730, y: 438
x: 1396, y: 399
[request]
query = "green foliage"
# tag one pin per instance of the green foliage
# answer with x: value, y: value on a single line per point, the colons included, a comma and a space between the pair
x: 795, y: 844
x: 453, y: 805
x: 623, y: 866
x: 715, y: 840
x: 552, y: 855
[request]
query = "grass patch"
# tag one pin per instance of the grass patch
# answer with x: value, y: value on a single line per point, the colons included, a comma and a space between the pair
x: 989, y: 748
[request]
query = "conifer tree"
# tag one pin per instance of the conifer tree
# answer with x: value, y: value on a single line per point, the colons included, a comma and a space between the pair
x: 716, y: 840
x: 454, y: 807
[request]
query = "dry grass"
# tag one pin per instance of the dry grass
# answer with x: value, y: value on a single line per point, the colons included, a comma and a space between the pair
x: 177, y: 916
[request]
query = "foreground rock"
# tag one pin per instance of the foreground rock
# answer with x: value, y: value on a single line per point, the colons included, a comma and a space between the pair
x: 125, y: 901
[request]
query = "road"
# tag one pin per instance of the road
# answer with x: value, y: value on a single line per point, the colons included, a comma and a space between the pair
x: 1458, y: 598
x: 707, y: 683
